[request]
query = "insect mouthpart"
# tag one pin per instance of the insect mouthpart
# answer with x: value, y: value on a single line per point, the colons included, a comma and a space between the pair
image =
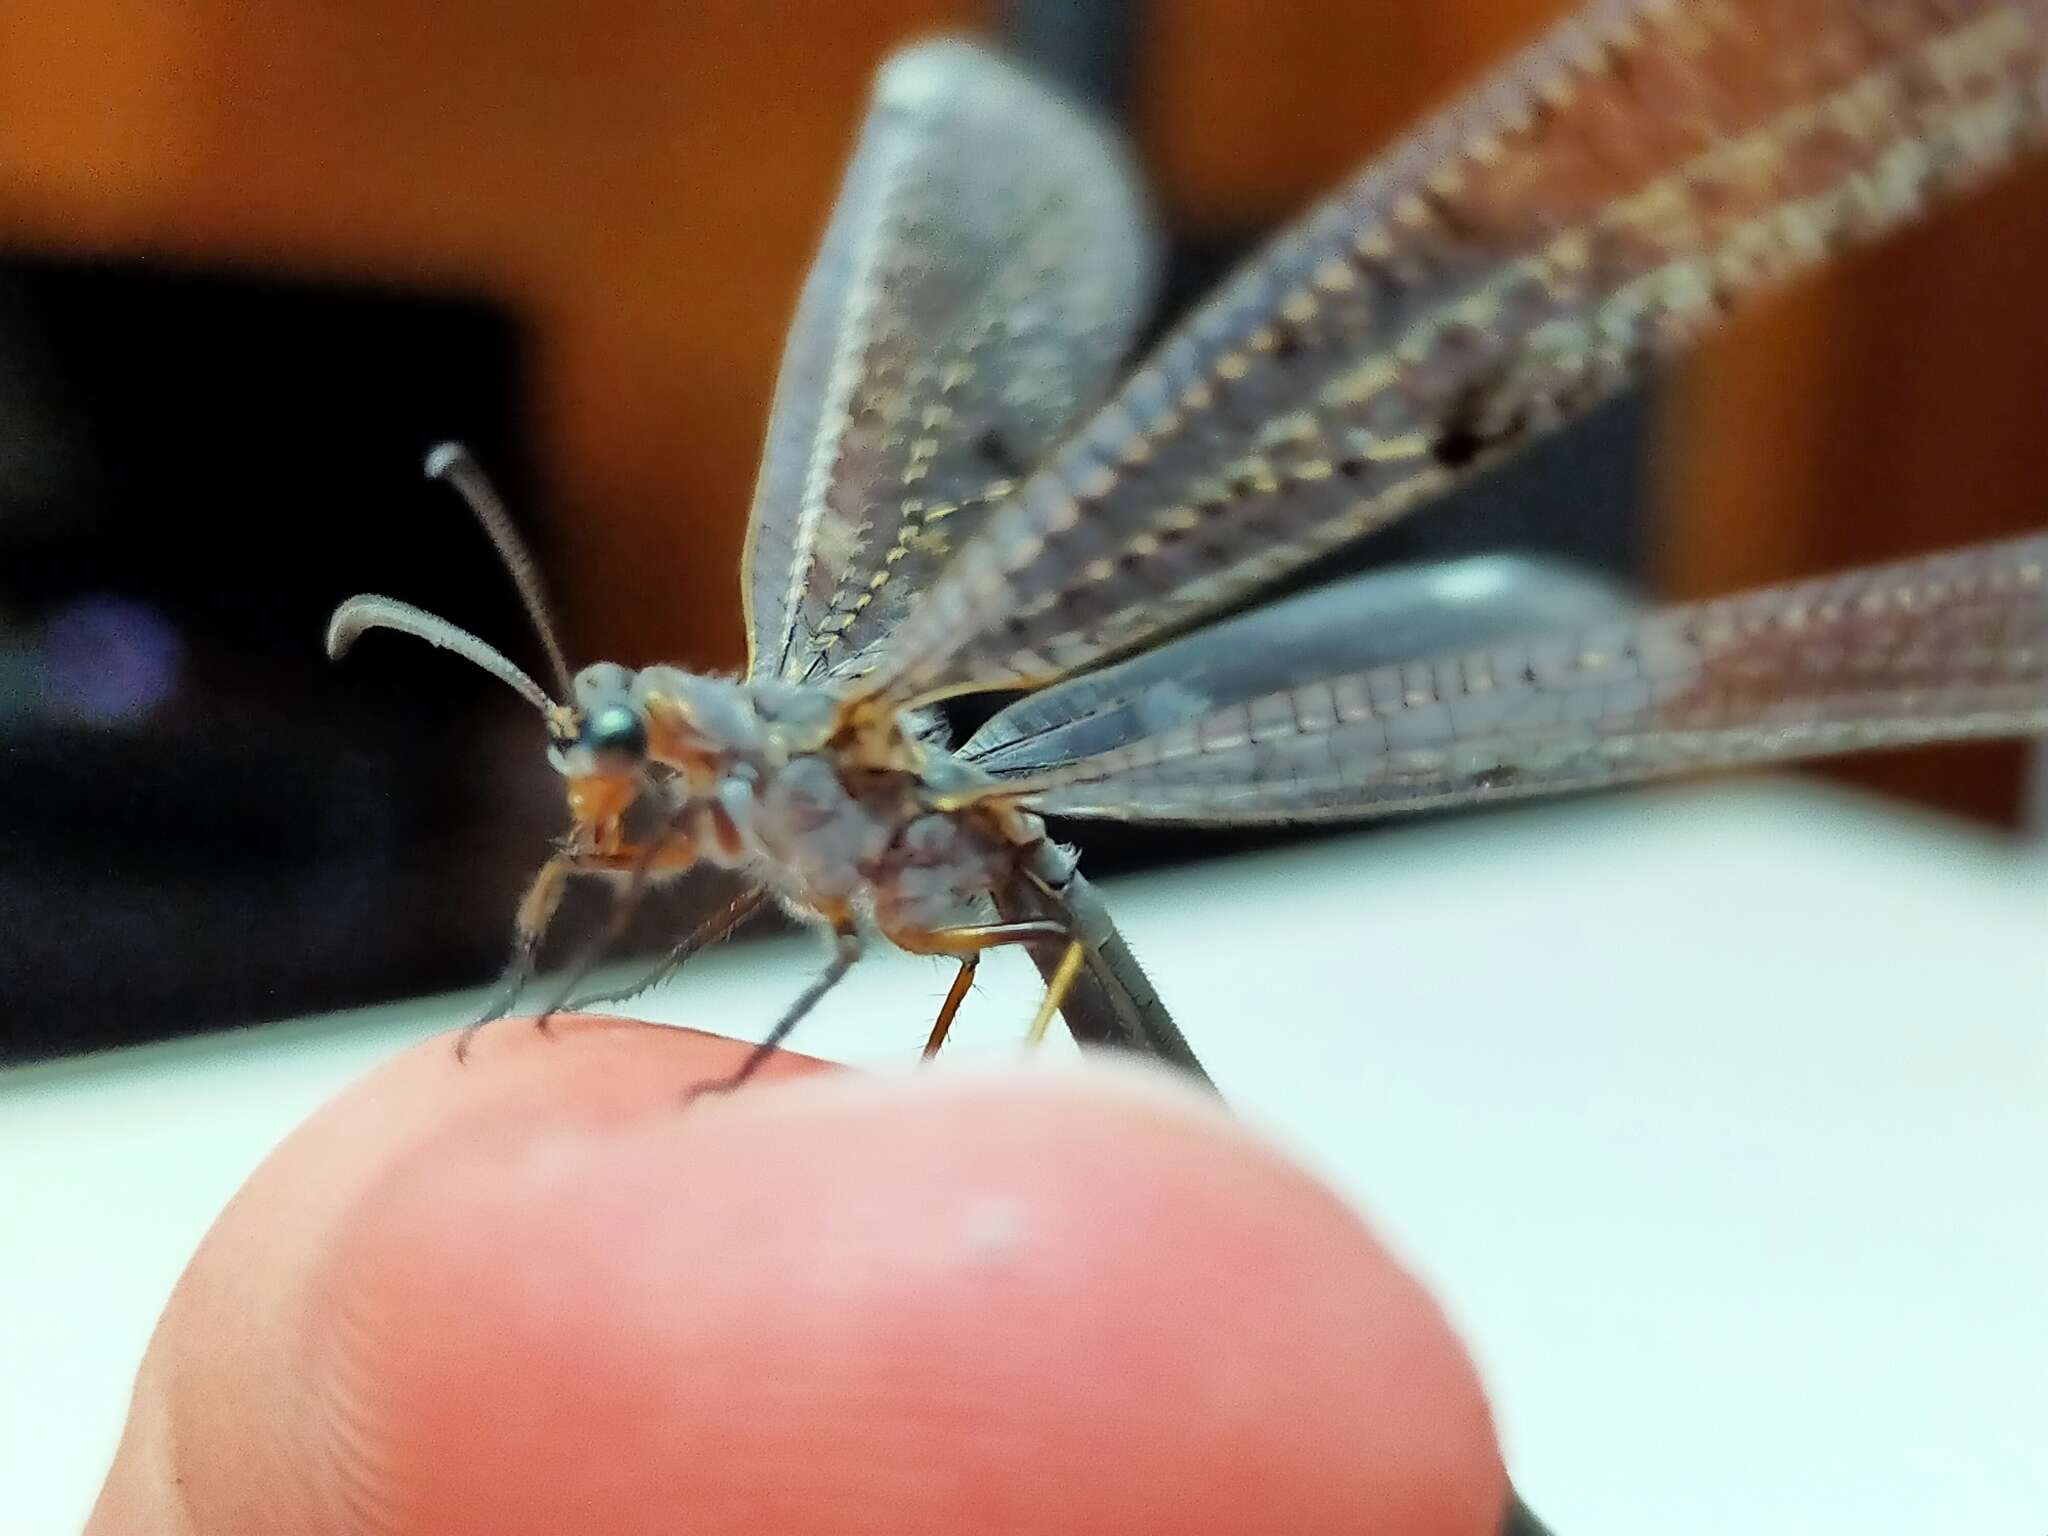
x: 598, y: 803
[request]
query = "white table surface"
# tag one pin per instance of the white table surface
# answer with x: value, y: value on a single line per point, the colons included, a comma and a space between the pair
x: 1718, y: 1118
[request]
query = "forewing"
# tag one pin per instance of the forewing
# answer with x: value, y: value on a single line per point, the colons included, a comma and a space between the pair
x: 980, y: 279
x: 1598, y: 203
x: 1948, y: 647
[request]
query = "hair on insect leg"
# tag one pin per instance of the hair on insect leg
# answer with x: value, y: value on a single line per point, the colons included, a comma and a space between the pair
x: 967, y: 942
x: 846, y: 949
x: 511, y: 983
x: 718, y: 926
x: 963, y: 981
x: 667, y: 846
x: 537, y: 910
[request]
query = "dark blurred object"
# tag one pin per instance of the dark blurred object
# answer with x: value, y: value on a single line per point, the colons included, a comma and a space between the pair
x: 1089, y: 46
x: 201, y: 821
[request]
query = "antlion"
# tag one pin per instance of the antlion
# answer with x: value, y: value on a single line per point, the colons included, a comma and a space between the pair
x: 954, y: 500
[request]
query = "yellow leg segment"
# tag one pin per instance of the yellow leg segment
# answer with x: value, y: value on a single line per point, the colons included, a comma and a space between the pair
x: 1056, y: 991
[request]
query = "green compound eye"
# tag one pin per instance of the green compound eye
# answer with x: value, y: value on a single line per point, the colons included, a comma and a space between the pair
x: 616, y: 731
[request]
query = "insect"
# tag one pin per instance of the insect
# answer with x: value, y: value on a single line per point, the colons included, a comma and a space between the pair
x: 954, y: 499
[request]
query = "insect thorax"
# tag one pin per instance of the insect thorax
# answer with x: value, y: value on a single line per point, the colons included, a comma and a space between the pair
x: 838, y: 828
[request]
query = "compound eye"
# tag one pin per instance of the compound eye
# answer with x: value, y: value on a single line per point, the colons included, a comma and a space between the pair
x: 616, y: 732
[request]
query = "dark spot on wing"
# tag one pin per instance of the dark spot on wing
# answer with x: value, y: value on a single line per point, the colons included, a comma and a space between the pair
x: 994, y: 451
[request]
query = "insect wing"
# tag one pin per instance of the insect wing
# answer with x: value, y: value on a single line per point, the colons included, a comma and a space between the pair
x: 986, y: 264
x: 1110, y: 1003
x: 1348, y: 626
x: 1594, y: 206
x: 1946, y: 647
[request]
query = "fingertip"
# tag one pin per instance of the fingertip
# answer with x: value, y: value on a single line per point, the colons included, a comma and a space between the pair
x: 527, y: 1293
x: 1023, y: 1301
x: 223, y: 1431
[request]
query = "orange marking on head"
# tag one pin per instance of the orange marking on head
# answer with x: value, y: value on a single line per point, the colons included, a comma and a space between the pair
x: 598, y: 800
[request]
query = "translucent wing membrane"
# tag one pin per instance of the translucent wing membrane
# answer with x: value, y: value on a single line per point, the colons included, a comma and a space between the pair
x: 980, y: 280
x: 1348, y: 626
x: 1599, y: 203
x: 1950, y: 646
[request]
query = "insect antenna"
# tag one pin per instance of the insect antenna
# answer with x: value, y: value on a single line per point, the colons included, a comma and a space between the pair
x: 369, y: 612
x: 453, y: 464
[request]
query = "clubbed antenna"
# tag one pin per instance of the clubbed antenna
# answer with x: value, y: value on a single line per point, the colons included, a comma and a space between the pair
x: 452, y: 463
x: 368, y: 612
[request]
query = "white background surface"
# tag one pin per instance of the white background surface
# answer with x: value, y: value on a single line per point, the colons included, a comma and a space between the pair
x: 1719, y: 1120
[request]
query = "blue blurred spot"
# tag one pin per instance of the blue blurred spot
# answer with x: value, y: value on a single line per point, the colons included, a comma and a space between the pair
x: 110, y: 660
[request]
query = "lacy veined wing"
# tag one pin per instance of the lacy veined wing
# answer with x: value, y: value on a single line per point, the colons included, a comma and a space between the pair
x: 981, y: 278
x: 1592, y: 208
x: 1430, y: 690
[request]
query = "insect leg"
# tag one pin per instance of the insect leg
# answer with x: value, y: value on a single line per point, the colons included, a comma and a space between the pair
x: 846, y: 948
x: 1057, y: 986
x: 966, y: 942
x: 955, y: 996
x: 966, y: 939
x: 1110, y: 1003
x: 670, y: 851
x: 536, y: 911
x: 713, y: 928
